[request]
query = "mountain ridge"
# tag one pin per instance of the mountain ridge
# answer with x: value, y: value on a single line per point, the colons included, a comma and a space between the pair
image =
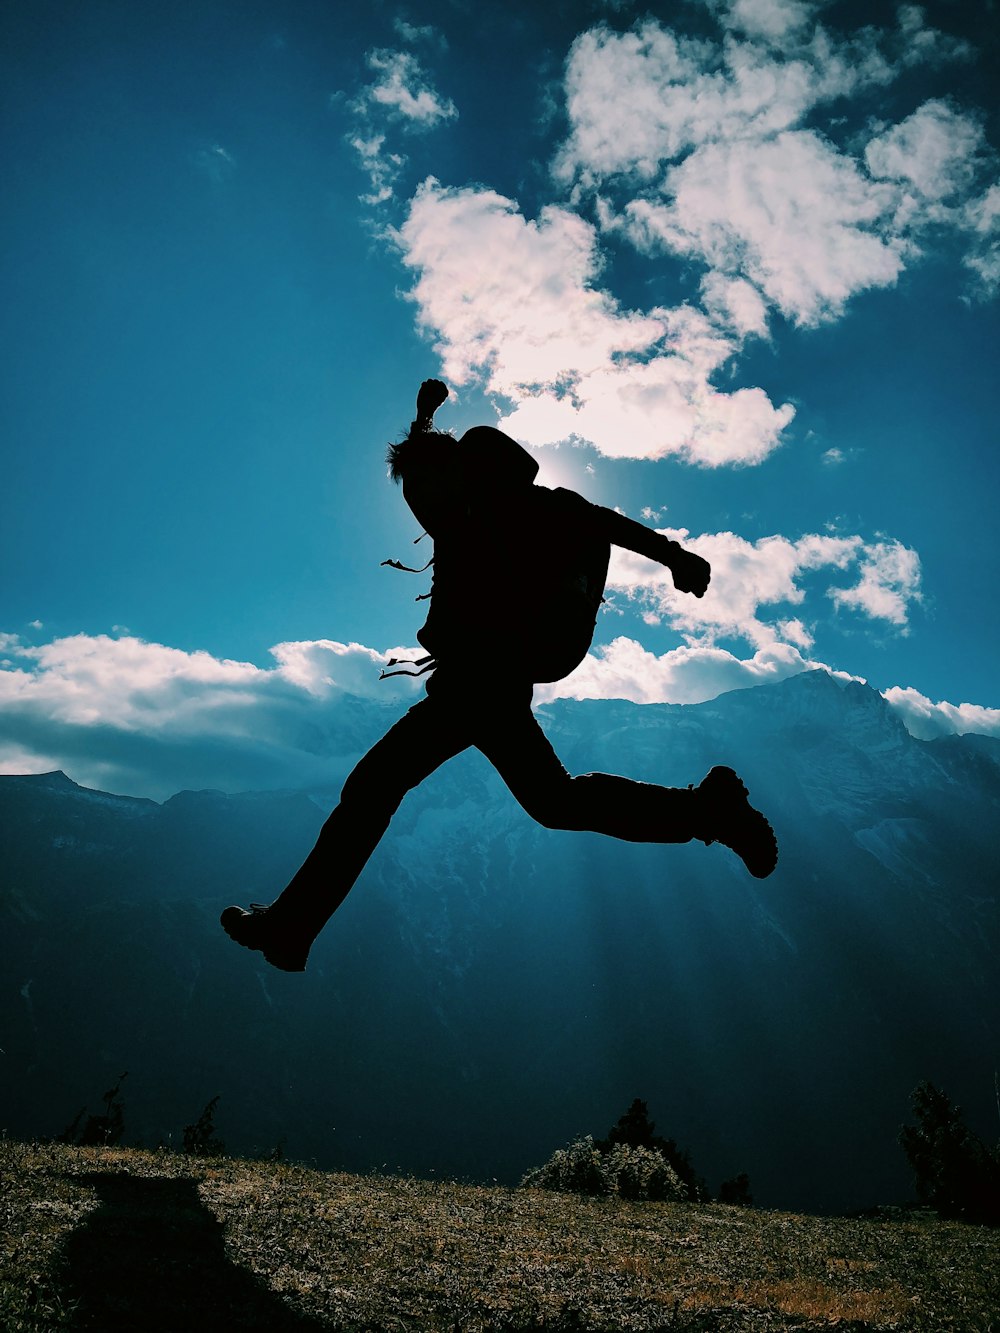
x: 797, y: 694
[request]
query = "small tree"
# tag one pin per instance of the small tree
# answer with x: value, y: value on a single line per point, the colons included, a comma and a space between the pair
x: 103, y: 1129
x: 637, y: 1130
x: 736, y: 1191
x: 200, y: 1139
x: 956, y: 1173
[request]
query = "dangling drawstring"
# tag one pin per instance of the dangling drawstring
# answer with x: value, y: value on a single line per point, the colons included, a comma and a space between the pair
x: 407, y: 569
x: 425, y: 663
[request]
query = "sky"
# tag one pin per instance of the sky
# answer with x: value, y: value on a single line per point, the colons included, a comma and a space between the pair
x: 730, y: 266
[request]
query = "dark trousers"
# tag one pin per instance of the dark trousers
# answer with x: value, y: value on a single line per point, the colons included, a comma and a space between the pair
x: 450, y: 719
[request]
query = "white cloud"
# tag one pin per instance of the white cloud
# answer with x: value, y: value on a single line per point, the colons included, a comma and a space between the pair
x: 773, y: 20
x: 699, y: 150
x: 403, y: 89
x: 789, y: 214
x: 787, y: 26
x: 415, y: 32
x: 735, y: 304
x: 917, y: 44
x: 91, y: 677
x: 932, y: 152
x: 890, y: 581
x: 640, y: 99
x: 153, y: 719
x: 982, y: 219
x: 516, y: 302
x: 624, y: 669
x: 400, y: 95
x: 324, y: 667
x: 147, y: 719
x: 382, y: 167
x: 795, y: 632
x: 511, y: 296
x: 748, y: 578
x: 928, y: 720
x: 654, y: 409
x: 934, y: 159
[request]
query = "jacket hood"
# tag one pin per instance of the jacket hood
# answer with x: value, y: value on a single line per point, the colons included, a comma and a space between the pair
x: 491, y: 458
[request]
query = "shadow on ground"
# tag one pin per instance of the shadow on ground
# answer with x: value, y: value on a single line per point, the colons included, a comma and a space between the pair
x: 151, y: 1257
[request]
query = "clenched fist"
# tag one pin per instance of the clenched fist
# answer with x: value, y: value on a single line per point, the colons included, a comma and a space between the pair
x: 690, y: 572
x: 432, y: 394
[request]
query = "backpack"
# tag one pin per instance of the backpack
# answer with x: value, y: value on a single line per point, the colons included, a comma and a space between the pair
x: 519, y: 576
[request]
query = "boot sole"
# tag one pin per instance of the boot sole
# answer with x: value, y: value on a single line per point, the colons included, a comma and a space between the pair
x: 285, y: 957
x: 753, y: 839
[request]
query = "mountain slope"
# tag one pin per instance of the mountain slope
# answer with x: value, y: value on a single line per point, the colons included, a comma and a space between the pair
x: 123, y: 1240
x: 491, y: 989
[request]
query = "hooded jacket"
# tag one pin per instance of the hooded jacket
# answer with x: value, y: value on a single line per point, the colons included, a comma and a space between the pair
x: 519, y: 569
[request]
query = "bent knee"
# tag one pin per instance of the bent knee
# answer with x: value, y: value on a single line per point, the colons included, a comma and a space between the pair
x: 554, y: 808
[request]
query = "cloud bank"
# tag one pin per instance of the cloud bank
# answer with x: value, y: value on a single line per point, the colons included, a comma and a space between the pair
x: 126, y: 715
x: 770, y: 573
x: 146, y: 719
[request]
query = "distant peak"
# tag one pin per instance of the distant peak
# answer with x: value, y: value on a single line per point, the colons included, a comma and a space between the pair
x: 53, y: 781
x: 821, y: 677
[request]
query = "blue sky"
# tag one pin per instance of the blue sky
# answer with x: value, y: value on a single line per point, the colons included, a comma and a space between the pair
x: 730, y: 265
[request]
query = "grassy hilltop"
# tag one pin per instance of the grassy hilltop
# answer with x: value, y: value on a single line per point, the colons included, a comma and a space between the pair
x: 114, y: 1239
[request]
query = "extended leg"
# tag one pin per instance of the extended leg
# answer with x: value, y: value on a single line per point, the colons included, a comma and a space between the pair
x: 715, y: 811
x: 419, y: 743
x: 598, y: 802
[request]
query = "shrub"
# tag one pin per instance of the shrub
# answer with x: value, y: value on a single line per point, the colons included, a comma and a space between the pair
x: 631, y: 1172
x: 576, y: 1169
x: 641, y: 1173
x: 632, y: 1162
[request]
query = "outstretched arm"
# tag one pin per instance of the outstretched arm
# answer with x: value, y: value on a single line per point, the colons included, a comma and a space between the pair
x: 690, y: 572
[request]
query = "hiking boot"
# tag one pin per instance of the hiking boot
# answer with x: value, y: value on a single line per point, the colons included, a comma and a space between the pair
x: 259, y: 929
x: 732, y: 820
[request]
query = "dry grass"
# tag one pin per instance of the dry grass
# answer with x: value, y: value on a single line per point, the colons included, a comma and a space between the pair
x: 114, y: 1239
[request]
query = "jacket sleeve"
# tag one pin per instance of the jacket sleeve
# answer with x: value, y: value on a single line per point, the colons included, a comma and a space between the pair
x: 622, y: 531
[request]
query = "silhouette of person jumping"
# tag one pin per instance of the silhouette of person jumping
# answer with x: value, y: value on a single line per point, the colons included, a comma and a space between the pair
x: 518, y: 579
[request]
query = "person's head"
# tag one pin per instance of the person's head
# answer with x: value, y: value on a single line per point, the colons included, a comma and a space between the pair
x: 427, y: 464
x: 428, y: 451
